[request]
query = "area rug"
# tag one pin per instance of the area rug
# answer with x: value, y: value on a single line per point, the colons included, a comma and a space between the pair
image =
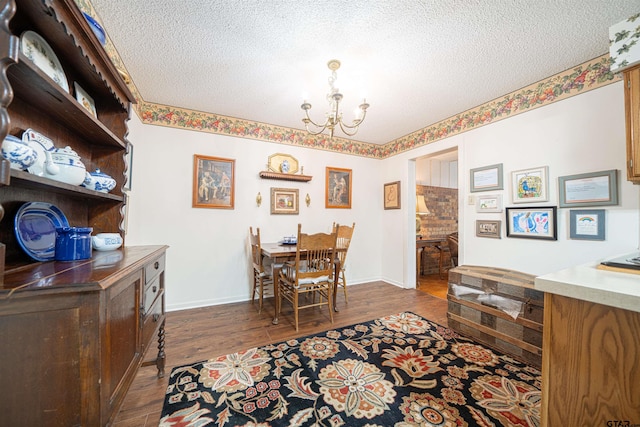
x: 400, y: 370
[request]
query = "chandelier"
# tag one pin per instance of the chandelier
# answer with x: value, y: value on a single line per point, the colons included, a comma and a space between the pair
x: 334, y: 116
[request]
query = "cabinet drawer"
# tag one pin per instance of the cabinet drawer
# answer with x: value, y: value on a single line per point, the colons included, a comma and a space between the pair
x: 151, y: 292
x: 152, y: 321
x: 153, y: 269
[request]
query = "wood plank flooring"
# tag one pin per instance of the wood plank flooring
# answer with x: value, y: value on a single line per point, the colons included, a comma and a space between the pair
x: 202, y: 333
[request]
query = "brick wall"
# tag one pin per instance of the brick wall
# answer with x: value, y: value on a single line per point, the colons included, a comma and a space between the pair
x: 442, y: 220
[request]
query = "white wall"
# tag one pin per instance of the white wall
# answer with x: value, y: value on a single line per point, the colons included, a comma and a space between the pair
x: 207, y: 262
x: 585, y: 133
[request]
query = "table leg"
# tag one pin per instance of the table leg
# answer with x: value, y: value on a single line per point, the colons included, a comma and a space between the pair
x: 276, y: 277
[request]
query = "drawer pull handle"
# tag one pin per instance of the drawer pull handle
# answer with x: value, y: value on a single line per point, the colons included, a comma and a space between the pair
x: 156, y: 265
x: 154, y: 289
x: 156, y: 317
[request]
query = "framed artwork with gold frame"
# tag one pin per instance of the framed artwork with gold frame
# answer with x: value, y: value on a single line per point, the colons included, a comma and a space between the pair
x: 338, y: 188
x: 284, y: 201
x: 213, y: 182
x: 392, y: 195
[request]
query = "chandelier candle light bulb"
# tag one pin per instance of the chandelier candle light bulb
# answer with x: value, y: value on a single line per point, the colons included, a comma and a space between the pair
x: 334, y: 116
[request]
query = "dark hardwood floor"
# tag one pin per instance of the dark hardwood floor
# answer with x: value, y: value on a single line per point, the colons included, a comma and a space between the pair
x: 202, y: 333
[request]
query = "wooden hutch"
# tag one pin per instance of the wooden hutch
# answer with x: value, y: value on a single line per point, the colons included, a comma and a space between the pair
x: 72, y: 334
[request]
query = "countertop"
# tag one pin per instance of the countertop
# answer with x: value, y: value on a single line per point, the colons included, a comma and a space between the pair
x: 587, y: 282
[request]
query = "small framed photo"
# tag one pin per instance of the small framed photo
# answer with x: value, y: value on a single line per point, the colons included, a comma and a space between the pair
x: 338, y: 188
x: 530, y: 185
x: 588, y: 189
x: 487, y: 178
x: 213, y: 182
x: 586, y: 224
x: 392, y: 195
x: 488, y: 229
x: 532, y: 222
x: 85, y: 100
x: 284, y: 201
x: 489, y: 203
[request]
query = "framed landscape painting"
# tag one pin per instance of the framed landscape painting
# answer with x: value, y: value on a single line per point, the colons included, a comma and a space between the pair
x: 213, y: 182
x: 338, y: 188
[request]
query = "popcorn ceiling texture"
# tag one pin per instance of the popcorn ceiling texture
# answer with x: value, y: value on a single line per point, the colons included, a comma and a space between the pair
x: 417, y: 63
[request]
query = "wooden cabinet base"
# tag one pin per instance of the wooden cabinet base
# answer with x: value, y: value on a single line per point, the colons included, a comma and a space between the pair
x: 73, y: 335
x: 591, y: 374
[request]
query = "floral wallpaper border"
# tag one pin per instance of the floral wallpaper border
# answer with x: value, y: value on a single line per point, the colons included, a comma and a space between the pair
x: 588, y: 76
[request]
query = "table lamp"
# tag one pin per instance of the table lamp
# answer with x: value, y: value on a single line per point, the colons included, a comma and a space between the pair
x: 421, y: 209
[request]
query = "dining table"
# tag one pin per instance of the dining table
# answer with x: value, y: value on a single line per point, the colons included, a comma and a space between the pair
x: 280, y: 253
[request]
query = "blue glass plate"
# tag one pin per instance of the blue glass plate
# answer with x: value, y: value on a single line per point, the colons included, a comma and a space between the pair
x: 35, y: 227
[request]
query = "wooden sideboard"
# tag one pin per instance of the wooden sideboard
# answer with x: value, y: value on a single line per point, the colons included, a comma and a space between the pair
x: 73, y: 335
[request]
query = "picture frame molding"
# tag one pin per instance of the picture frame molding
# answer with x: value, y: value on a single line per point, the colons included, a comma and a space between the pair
x: 489, y: 203
x: 486, y: 178
x: 552, y: 233
x: 330, y: 188
x: 584, y: 183
x: 294, y: 193
x: 202, y: 190
x: 489, y: 228
x: 389, y: 201
x: 578, y: 232
x: 542, y: 172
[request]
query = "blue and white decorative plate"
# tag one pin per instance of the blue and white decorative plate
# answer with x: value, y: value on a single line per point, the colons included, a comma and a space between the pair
x: 34, y: 47
x: 35, y: 227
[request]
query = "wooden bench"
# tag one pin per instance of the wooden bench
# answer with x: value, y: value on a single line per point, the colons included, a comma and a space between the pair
x: 498, y: 308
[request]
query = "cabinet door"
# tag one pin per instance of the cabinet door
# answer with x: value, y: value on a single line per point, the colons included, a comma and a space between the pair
x: 122, y: 349
x: 632, y: 113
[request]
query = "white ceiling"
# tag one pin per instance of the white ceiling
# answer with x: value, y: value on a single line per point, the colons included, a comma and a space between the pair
x: 416, y: 61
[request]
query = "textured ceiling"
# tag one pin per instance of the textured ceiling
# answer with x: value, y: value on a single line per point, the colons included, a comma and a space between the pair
x: 416, y: 62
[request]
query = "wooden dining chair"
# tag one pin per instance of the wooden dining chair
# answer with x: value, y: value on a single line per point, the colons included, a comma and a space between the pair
x: 452, y: 242
x: 262, y: 269
x: 345, y: 233
x: 311, y: 274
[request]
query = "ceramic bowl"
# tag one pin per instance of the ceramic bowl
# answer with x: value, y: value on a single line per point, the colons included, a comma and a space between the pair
x: 73, y: 243
x: 19, y: 154
x: 99, y: 181
x: 106, y: 241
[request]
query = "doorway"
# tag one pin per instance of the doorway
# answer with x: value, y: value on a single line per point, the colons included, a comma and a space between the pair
x: 437, y: 185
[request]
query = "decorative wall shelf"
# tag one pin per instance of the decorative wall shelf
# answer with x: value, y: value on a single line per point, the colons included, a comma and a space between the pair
x: 285, y: 176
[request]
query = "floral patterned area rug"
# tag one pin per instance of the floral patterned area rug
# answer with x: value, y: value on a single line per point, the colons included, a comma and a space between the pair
x: 399, y: 370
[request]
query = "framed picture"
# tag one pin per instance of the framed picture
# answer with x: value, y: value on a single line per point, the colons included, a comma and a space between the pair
x: 85, y: 100
x: 489, y: 203
x: 213, y: 182
x: 392, y: 195
x: 532, y: 222
x: 284, y: 201
x: 487, y: 178
x: 589, y: 189
x: 488, y: 229
x: 586, y: 224
x: 338, y: 188
x: 530, y: 185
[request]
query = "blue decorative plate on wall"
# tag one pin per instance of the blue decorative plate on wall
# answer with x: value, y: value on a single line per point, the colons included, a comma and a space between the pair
x: 35, y: 227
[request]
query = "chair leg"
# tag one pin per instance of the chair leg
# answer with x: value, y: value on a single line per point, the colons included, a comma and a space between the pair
x: 295, y: 308
x: 344, y: 286
x: 329, y: 299
x: 261, y: 290
x: 253, y: 288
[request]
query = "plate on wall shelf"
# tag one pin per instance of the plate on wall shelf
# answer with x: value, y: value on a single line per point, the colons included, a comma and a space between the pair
x: 34, y: 47
x: 40, y: 144
x: 35, y: 227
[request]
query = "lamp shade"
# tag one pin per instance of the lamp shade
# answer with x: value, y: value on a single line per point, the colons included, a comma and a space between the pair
x: 421, y: 206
